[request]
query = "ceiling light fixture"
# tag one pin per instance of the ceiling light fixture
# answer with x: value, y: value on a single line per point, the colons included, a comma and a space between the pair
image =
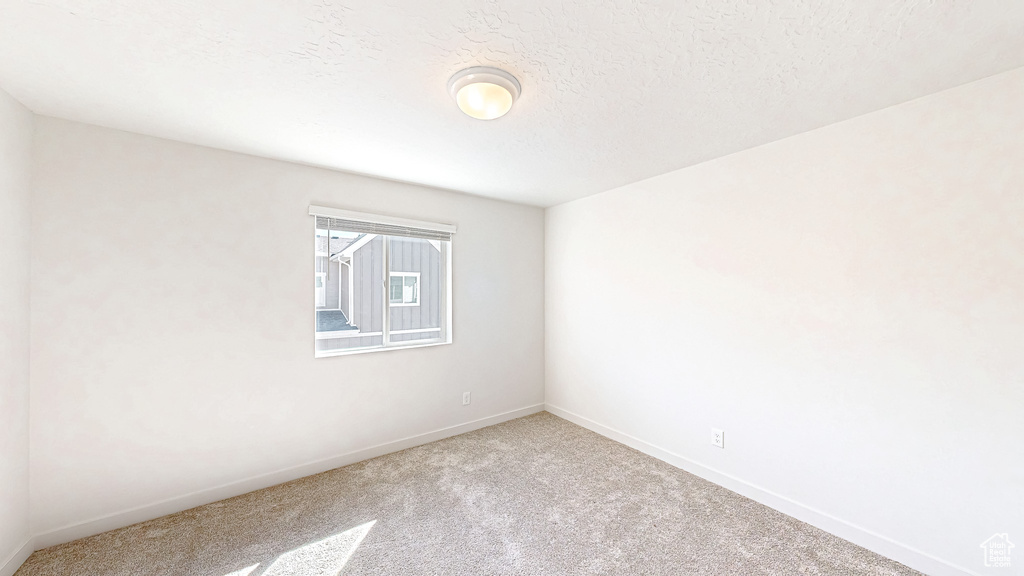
x: 483, y: 92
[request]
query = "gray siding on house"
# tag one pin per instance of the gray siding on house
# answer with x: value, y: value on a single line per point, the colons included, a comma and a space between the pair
x: 415, y: 255
x: 368, y: 267
x: 417, y: 336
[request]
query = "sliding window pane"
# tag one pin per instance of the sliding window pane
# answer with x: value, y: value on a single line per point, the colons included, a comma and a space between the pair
x: 349, y: 283
x: 416, y: 277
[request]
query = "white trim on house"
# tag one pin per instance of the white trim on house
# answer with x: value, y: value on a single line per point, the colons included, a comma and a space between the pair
x: 351, y: 248
x: 351, y: 286
x: 346, y: 334
x: 379, y: 219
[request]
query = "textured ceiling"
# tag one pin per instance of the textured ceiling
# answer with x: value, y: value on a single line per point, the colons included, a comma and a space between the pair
x: 613, y: 91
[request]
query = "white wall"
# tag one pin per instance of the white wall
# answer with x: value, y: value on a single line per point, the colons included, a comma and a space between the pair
x: 173, y: 313
x: 847, y: 304
x: 15, y: 170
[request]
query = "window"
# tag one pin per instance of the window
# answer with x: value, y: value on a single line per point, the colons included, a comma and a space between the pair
x: 380, y: 282
x: 321, y: 290
x: 404, y: 288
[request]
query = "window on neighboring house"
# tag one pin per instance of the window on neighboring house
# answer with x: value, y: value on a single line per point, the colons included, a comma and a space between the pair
x: 381, y: 282
x: 321, y: 290
x: 404, y: 288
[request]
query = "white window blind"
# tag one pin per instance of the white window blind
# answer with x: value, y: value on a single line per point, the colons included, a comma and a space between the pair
x: 335, y: 219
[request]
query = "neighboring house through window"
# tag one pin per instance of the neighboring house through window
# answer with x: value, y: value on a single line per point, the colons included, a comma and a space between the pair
x: 380, y: 282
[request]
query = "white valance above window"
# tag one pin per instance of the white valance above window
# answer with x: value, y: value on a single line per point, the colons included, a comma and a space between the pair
x: 336, y: 219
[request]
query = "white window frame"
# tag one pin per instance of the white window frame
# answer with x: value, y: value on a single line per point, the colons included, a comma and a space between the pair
x: 445, y: 248
x: 403, y: 276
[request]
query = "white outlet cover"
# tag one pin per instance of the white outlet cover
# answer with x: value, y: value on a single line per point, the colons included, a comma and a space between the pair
x: 466, y: 398
x: 718, y: 437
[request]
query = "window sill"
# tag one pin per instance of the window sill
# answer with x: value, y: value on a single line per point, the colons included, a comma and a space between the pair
x: 333, y: 353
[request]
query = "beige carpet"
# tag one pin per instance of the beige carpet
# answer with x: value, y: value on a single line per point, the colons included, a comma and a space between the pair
x: 537, y: 495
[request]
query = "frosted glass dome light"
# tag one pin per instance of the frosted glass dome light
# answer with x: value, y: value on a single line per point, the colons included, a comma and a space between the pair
x: 483, y: 92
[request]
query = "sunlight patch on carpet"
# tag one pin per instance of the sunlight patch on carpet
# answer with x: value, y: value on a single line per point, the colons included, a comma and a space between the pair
x: 244, y: 571
x: 321, y: 558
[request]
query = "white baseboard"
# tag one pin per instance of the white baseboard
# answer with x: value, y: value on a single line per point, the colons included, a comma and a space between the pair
x: 17, y: 558
x: 863, y: 537
x: 177, y: 504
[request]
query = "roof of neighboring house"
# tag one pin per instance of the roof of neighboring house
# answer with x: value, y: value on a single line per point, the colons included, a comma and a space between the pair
x: 338, y: 245
x: 332, y: 321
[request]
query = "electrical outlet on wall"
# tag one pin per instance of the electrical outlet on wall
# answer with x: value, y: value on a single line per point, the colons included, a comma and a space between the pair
x: 466, y: 398
x: 718, y: 437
